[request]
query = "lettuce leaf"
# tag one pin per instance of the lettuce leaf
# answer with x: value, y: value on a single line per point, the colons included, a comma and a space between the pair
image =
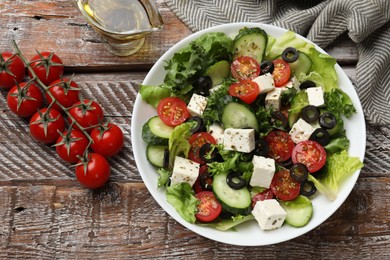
x: 339, y: 166
x: 339, y: 103
x: 191, y: 62
x: 153, y: 94
x: 181, y: 197
x: 178, y: 142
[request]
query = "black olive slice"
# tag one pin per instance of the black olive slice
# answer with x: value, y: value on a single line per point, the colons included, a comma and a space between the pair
x: 234, y: 180
x: 203, y: 85
x: 279, y: 119
x: 308, y: 188
x: 205, y: 181
x: 199, y: 127
x: 206, y: 156
x: 328, y: 120
x: 310, y: 113
x: 261, y: 148
x: 166, y: 158
x: 307, y: 84
x: 266, y: 67
x: 290, y: 54
x: 299, y: 172
x: 321, y: 136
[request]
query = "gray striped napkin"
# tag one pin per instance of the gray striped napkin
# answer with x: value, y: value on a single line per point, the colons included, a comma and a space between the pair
x: 366, y: 21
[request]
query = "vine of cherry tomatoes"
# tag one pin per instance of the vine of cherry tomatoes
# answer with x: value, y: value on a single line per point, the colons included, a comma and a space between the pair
x: 58, y: 115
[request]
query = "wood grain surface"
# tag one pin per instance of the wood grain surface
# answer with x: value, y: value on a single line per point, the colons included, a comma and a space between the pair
x: 45, y: 214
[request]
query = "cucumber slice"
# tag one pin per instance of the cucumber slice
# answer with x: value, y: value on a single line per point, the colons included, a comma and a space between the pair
x: 156, y: 132
x: 299, y: 211
x: 218, y: 72
x: 155, y: 154
x: 236, y: 115
x: 301, y: 65
x: 234, y: 201
x: 250, y: 42
x: 299, y: 101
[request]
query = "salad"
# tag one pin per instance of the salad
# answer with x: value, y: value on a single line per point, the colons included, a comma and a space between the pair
x: 248, y: 127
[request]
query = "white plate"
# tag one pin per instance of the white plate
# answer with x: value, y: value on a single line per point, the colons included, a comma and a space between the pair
x: 247, y: 234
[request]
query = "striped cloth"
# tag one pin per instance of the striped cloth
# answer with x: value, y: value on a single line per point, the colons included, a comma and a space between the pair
x: 366, y: 21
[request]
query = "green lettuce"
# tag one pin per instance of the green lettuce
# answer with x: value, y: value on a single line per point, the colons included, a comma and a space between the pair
x: 191, y: 62
x: 181, y: 197
x: 338, y: 167
x: 153, y: 94
x: 164, y: 175
x: 339, y: 103
x: 178, y: 142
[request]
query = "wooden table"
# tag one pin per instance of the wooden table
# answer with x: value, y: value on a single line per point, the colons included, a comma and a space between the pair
x: 44, y: 213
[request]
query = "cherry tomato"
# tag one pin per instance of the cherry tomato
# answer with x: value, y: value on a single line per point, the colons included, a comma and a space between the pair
x: 172, y: 111
x: 283, y: 186
x: 281, y: 73
x: 87, y: 113
x: 45, y: 124
x: 209, y: 207
x: 47, y: 66
x: 245, y: 67
x: 264, y: 195
x: 246, y: 90
x: 25, y: 99
x: 280, y: 145
x: 196, y: 141
x: 309, y: 153
x: 197, y: 185
x: 107, y: 139
x: 97, y: 171
x: 12, y: 70
x: 66, y: 92
x: 70, y: 145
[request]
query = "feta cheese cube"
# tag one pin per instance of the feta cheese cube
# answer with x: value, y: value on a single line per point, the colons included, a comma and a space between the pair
x: 197, y: 105
x: 263, y: 171
x: 315, y: 96
x: 241, y: 140
x: 292, y: 83
x: 184, y: 170
x: 217, y: 132
x: 265, y: 82
x: 269, y: 214
x: 301, y: 131
x: 273, y: 98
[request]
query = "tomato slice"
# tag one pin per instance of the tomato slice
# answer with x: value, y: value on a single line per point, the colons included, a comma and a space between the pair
x: 280, y: 145
x: 209, y: 208
x: 311, y: 154
x: 196, y: 141
x: 245, y: 67
x: 246, y: 90
x: 281, y: 73
x: 264, y: 195
x: 283, y: 186
x: 197, y: 185
x: 172, y: 111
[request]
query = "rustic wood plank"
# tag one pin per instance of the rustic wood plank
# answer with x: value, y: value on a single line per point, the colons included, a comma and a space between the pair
x: 59, y: 26
x: 124, y: 220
